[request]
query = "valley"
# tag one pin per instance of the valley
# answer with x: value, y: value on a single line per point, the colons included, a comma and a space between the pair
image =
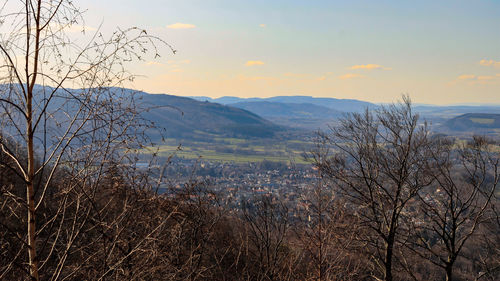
x: 280, y: 129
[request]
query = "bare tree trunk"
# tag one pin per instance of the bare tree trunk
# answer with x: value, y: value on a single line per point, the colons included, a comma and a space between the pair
x: 30, y: 198
x: 388, y: 258
x: 30, y: 191
x: 449, y: 272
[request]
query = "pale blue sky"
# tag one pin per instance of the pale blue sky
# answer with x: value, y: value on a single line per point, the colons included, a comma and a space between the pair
x: 431, y: 50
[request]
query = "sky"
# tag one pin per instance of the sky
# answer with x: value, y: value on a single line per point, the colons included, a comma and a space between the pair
x: 438, y: 52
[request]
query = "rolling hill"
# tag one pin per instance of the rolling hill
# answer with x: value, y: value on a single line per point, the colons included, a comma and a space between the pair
x: 189, y: 118
x: 474, y: 123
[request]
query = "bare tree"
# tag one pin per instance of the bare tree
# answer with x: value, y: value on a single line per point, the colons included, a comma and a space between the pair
x: 193, y: 233
x: 325, y: 231
x: 377, y: 165
x: 268, y: 224
x: 452, y: 211
x: 49, y: 128
x: 489, y: 244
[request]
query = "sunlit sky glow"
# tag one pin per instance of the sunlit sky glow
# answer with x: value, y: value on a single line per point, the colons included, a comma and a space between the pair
x: 438, y: 52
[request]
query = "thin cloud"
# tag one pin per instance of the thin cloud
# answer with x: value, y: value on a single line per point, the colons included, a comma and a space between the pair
x: 485, y: 78
x: 174, y: 63
x: 254, y: 62
x: 256, y: 78
x: 370, y: 66
x: 479, y: 78
x: 262, y: 25
x: 324, y: 77
x: 291, y: 74
x: 71, y: 28
x: 472, y: 79
x: 176, y: 70
x: 295, y: 76
x: 180, y: 25
x: 79, y: 28
x: 490, y: 63
x: 150, y: 63
x: 466, y: 77
x: 351, y: 76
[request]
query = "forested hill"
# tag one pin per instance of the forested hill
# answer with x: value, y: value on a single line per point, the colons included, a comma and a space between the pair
x: 474, y: 122
x: 186, y: 117
x: 189, y: 118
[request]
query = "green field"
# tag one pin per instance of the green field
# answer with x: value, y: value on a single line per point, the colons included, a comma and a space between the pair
x: 483, y: 120
x: 236, y: 150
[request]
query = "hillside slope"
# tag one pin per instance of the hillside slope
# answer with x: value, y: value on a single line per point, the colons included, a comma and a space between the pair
x: 186, y: 117
x: 474, y: 123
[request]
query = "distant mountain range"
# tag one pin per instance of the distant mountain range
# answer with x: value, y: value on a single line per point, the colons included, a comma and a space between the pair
x: 298, y: 115
x: 455, y: 110
x: 279, y: 109
x: 312, y: 113
x: 264, y: 117
x: 206, y: 118
x: 302, y: 112
x: 344, y: 105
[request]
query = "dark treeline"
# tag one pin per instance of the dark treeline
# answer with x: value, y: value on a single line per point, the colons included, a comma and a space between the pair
x: 391, y: 202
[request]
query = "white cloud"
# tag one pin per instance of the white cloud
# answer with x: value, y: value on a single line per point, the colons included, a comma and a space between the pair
x: 254, y: 62
x: 175, y: 63
x: 180, y: 25
x: 79, y: 28
x: 351, y: 76
x: 472, y: 79
x: 324, y: 77
x: 70, y: 28
x: 466, y: 77
x: 149, y: 63
x: 291, y: 74
x: 485, y: 77
x: 256, y: 78
x: 490, y: 63
x: 370, y: 66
